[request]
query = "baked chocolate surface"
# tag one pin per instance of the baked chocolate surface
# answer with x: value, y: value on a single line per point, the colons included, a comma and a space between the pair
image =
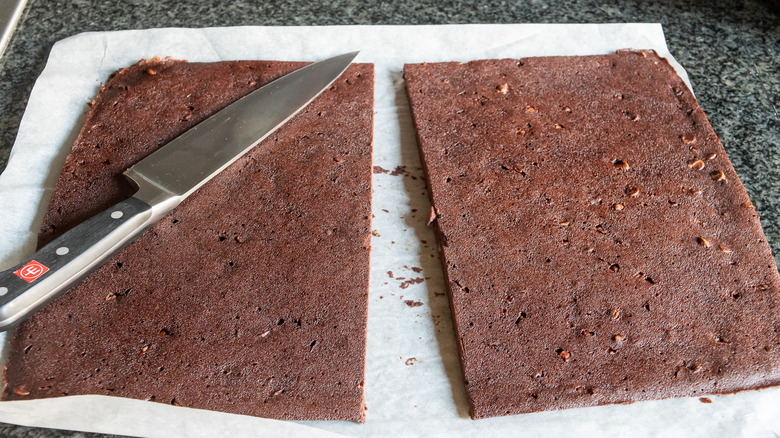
x: 251, y: 296
x: 598, y: 245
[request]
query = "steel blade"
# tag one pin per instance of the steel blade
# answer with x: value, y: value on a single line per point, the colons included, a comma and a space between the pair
x: 188, y: 161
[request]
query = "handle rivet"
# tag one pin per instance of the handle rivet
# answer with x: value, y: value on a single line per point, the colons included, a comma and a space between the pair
x: 62, y: 250
x: 3, y: 291
x: 117, y: 214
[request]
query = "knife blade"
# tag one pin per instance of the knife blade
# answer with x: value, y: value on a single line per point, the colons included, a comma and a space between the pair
x: 163, y: 180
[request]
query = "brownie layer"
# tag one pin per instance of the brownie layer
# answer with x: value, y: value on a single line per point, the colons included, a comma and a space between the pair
x: 251, y: 296
x: 598, y: 245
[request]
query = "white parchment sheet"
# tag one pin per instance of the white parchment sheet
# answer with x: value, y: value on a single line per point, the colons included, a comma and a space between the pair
x: 413, y: 381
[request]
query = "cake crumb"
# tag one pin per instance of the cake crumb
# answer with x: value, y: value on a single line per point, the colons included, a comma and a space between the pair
x: 411, y: 281
x: 399, y: 170
x: 432, y: 216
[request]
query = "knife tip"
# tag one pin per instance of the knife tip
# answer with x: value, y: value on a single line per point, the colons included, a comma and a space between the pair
x: 351, y: 55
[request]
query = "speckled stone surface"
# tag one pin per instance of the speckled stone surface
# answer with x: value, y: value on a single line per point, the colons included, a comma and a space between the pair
x: 729, y: 49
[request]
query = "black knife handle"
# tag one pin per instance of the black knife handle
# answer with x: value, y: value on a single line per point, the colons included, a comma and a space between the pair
x: 69, y: 258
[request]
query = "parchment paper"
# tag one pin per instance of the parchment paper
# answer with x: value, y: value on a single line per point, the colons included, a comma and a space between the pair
x: 413, y: 381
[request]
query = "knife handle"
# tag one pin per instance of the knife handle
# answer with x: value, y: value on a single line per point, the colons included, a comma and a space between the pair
x: 69, y: 258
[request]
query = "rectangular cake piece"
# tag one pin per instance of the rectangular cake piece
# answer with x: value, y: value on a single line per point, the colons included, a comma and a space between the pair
x: 251, y: 296
x: 597, y: 243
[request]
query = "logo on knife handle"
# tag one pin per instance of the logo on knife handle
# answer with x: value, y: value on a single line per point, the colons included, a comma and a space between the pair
x: 31, y: 271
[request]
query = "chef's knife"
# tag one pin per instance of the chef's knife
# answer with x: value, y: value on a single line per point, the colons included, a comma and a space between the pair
x: 163, y: 180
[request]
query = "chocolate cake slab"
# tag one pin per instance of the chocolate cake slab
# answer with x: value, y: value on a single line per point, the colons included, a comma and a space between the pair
x: 597, y: 244
x: 248, y: 298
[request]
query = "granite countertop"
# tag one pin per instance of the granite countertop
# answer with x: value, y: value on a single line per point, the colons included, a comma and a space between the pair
x: 729, y: 49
